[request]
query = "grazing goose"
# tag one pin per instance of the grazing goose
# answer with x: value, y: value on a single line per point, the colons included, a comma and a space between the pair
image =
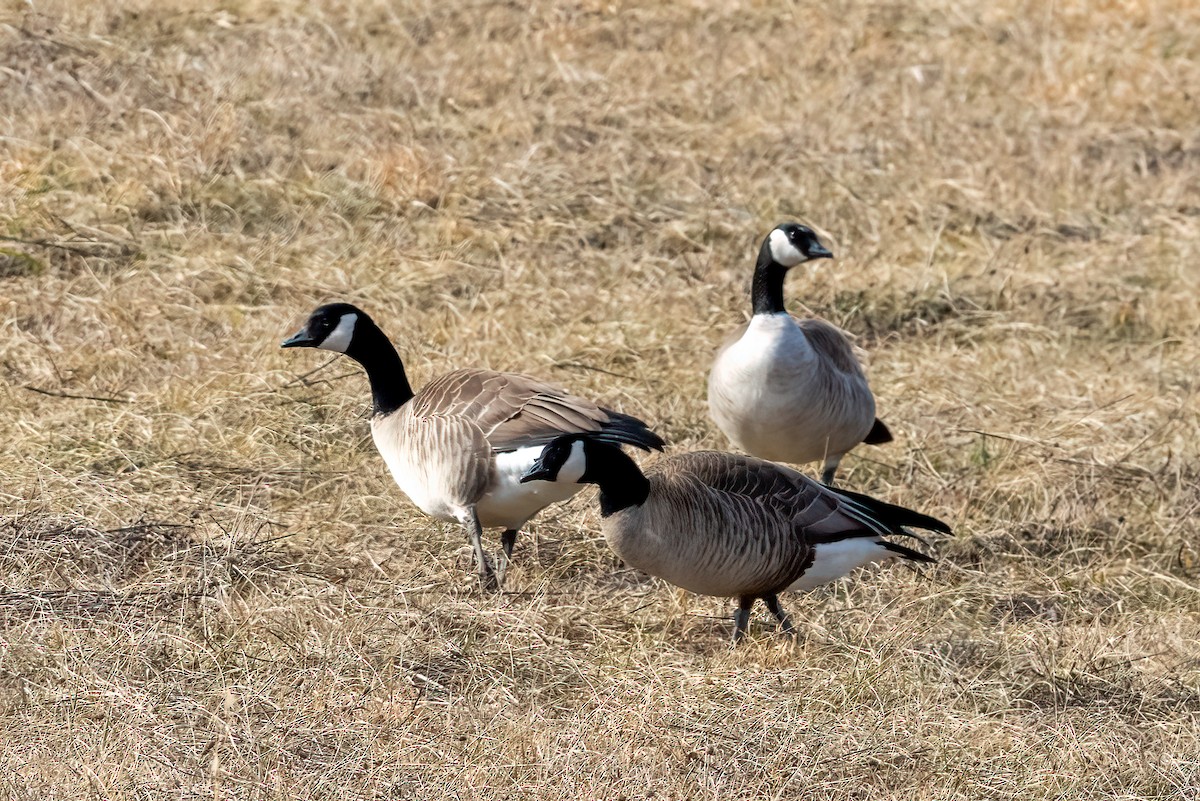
x: 459, y: 447
x: 721, y: 524
x: 791, y: 390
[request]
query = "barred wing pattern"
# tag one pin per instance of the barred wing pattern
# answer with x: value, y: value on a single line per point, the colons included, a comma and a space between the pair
x: 817, y: 513
x: 515, y: 411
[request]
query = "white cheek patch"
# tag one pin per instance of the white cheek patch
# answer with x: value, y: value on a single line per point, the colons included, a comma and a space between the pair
x: 575, y: 466
x: 339, y: 338
x: 517, y: 463
x: 783, y: 251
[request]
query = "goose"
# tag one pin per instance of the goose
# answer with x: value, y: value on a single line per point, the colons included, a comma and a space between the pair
x: 791, y: 390
x: 459, y: 446
x: 729, y: 525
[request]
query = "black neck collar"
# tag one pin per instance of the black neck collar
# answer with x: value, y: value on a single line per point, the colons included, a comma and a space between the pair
x: 766, y: 290
x: 371, y: 348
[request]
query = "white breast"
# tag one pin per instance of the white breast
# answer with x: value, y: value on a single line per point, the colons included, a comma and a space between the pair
x: 758, y: 384
x: 767, y: 362
x: 510, y: 503
x: 415, y: 478
x: 770, y: 393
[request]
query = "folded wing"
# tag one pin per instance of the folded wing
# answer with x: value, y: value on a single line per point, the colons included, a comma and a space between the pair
x: 515, y: 411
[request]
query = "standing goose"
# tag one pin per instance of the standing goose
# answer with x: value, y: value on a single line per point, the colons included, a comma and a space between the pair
x: 459, y: 447
x: 721, y: 524
x: 791, y: 390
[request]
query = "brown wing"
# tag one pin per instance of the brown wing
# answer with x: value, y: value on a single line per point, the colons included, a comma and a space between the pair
x: 811, y: 508
x: 819, y: 513
x: 830, y: 340
x: 514, y: 410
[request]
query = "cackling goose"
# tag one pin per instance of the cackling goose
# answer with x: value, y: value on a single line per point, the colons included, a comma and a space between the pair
x: 459, y: 447
x: 791, y: 390
x: 722, y: 524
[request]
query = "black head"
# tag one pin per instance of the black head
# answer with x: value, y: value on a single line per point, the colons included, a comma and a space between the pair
x: 791, y: 244
x: 329, y: 327
x: 548, y: 466
x: 580, y: 459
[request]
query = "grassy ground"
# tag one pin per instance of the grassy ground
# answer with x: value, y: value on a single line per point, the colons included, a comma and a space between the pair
x: 210, y: 586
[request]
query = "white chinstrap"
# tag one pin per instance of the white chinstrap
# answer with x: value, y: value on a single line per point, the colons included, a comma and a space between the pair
x: 339, y: 338
x: 783, y: 251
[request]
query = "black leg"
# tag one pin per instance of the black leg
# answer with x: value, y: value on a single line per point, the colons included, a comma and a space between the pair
x: 785, y: 621
x: 487, y: 578
x: 829, y: 472
x: 741, y: 617
x: 507, y: 540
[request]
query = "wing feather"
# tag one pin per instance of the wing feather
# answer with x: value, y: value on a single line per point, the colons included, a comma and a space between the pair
x: 816, y: 512
x: 514, y: 410
x: 828, y: 339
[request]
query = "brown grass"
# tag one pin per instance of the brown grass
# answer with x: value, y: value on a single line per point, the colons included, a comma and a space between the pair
x: 209, y: 587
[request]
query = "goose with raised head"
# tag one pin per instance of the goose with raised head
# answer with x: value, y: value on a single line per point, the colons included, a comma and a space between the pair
x: 728, y: 525
x: 791, y: 390
x: 458, y: 448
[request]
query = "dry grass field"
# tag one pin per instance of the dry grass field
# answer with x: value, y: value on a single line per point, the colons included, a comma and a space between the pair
x: 211, y: 588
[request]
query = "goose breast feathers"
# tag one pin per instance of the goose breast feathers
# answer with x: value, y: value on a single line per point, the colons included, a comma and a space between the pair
x: 790, y: 390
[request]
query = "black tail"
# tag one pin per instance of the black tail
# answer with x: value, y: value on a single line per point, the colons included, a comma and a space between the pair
x: 894, y: 516
x: 624, y: 429
x: 906, y: 552
x: 879, y: 434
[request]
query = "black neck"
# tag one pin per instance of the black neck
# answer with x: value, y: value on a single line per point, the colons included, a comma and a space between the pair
x: 766, y: 291
x: 371, y: 348
x: 621, y: 482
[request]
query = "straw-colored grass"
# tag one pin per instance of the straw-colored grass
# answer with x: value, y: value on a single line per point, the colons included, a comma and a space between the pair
x: 209, y: 586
